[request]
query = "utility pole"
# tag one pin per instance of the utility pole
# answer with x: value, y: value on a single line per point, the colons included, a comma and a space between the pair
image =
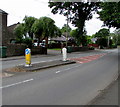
x: 67, y: 29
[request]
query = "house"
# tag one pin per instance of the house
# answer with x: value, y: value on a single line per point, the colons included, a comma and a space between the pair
x: 56, y: 42
x: 7, y: 35
x: 10, y: 30
x: 3, y: 28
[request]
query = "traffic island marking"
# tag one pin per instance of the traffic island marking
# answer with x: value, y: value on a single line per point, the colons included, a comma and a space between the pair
x: 39, y: 66
x: 87, y: 59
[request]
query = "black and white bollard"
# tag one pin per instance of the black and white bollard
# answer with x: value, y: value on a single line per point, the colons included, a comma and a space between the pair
x: 64, y: 51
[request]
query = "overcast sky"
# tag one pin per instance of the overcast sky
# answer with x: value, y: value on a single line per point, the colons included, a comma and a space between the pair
x: 17, y: 9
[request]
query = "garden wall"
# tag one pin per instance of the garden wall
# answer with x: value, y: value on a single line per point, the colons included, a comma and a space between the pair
x: 19, y: 49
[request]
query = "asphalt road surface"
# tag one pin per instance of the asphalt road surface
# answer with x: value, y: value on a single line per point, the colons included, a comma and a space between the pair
x: 74, y: 84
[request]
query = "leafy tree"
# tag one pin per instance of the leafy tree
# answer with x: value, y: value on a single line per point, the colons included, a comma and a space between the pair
x: 89, y: 41
x: 45, y: 27
x: 102, y: 37
x: 57, y: 31
x: 103, y: 33
x: 37, y: 28
x: 28, y: 22
x: 24, y: 29
x: 110, y: 14
x: 74, y: 33
x: 79, y: 39
x: 117, y: 36
x: 114, y: 38
x: 19, y: 31
x: 28, y: 42
x: 65, y: 28
x: 49, y: 27
x: 77, y: 13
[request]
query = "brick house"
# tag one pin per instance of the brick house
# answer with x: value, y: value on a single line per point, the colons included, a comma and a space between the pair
x: 10, y: 30
x: 3, y: 28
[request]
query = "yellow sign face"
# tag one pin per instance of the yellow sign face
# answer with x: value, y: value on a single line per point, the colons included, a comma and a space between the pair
x: 28, y: 56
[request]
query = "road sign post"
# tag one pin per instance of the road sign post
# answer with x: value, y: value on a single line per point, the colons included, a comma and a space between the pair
x: 28, y: 57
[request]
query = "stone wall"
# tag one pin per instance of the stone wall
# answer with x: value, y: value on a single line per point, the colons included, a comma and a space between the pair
x: 19, y: 49
x: 76, y: 49
x: 36, y: 50
x: 15, y: 49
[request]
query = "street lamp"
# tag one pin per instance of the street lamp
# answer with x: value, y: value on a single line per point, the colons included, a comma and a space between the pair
x: 67, y: 29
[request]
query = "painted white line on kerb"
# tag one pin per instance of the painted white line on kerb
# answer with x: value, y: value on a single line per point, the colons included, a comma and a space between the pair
x: 6, y: 86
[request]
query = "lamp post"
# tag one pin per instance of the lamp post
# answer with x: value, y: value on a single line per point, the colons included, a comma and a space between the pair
x: 67, y: 29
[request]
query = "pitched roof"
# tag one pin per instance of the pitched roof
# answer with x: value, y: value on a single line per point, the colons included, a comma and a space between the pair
x: 1, y: 11
x: 12, y: 27
x: 62, y: 38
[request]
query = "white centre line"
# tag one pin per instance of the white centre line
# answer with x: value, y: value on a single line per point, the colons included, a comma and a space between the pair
x: 6, y: 86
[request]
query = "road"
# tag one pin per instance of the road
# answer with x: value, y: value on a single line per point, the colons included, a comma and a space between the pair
x: 74, y: 84
x: 52, y: 55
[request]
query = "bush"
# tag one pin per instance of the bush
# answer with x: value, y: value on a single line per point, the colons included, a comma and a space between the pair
x: 28, y: 42
x: 91, y: 48
x: 114, y: 46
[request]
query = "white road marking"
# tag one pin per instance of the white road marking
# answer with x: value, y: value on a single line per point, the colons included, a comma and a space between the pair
x: 57, y: 72
x: 6, y: 86
x: 38, y: 62
x: 68, y: 69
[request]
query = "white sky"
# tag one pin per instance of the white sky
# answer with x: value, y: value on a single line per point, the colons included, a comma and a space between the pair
x: 17, y: 9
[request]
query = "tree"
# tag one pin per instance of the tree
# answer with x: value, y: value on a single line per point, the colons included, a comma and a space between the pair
x: 117, y: 36
x: 74, y: 33
x: 57, y: 31
x: 102, y: 37
x: 89, y: 41
x: 103, y: 33
x: 49, y: 27
x: 79, y: 39
x: 45, y: 27
x: 110, y: 14
x: 77, y: 12
x: 65, y: 28
x: 19, y: 31
x: 28, y: 22
x: 37, y: 28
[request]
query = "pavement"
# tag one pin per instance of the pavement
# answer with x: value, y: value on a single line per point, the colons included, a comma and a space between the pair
x: 108, y: 96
